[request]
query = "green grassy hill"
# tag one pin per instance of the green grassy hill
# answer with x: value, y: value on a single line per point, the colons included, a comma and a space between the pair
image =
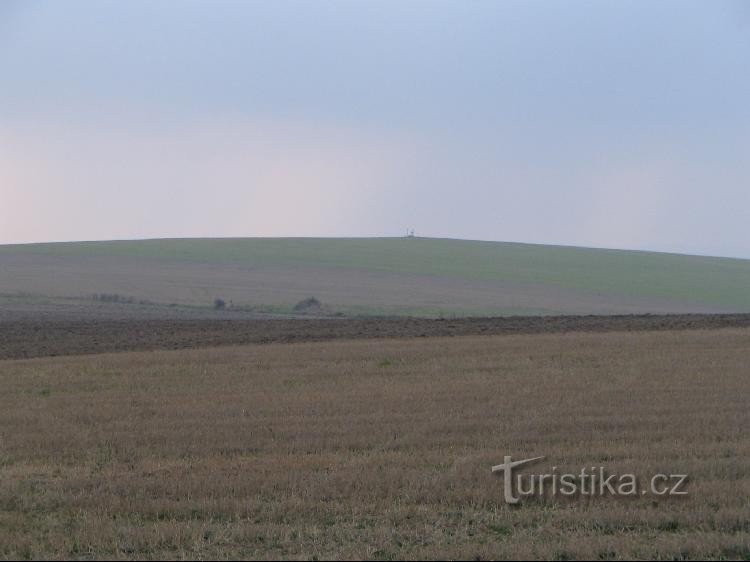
x: 383, y: 275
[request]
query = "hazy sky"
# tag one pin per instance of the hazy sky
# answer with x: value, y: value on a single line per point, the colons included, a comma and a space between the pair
x: 605, y: 123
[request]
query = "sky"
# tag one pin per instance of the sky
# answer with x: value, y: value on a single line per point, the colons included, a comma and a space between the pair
x: 620, y: 124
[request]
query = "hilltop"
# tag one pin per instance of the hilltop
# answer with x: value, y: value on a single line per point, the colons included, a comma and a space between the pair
x: 377, y: 276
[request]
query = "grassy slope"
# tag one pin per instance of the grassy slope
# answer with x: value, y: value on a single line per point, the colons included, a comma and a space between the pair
x: 693, y: 279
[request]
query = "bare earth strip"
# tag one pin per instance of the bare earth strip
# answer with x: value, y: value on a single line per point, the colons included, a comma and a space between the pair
x: 376, y: 448
x: 32, y: 333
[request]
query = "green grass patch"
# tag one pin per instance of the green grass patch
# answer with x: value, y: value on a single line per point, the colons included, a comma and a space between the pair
x: 689, y: 279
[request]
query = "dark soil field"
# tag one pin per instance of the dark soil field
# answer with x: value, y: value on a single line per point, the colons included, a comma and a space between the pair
x: 43, y: 331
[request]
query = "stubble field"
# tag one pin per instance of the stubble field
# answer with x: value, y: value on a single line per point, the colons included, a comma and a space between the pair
x: 376, y: 448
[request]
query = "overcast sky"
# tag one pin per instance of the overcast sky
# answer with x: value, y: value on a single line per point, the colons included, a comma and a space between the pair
x: 606, y: 123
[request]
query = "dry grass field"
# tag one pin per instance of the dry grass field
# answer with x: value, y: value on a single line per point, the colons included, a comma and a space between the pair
x: 376, y: 448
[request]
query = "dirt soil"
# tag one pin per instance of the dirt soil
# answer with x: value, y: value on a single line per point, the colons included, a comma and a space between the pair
x: 60, y: 332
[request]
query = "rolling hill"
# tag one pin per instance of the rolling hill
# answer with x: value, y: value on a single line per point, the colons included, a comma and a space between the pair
x: 402, y: 276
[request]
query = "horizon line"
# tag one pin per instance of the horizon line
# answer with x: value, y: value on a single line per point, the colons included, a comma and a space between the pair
x: 405, y: 237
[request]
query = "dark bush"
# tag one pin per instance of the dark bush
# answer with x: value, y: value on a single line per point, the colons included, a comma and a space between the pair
x: 113, y: 297
x: 308, y: 305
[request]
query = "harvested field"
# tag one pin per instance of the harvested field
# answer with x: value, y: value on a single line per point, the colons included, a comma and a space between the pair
x: 376, y: 449
x: 66, y: 331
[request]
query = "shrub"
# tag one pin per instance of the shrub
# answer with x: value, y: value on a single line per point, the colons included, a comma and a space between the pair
x: 308, y: 305
x: 113, y: 297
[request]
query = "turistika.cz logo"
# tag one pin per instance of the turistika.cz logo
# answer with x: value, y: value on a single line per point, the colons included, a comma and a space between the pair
x: 590, y: 481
